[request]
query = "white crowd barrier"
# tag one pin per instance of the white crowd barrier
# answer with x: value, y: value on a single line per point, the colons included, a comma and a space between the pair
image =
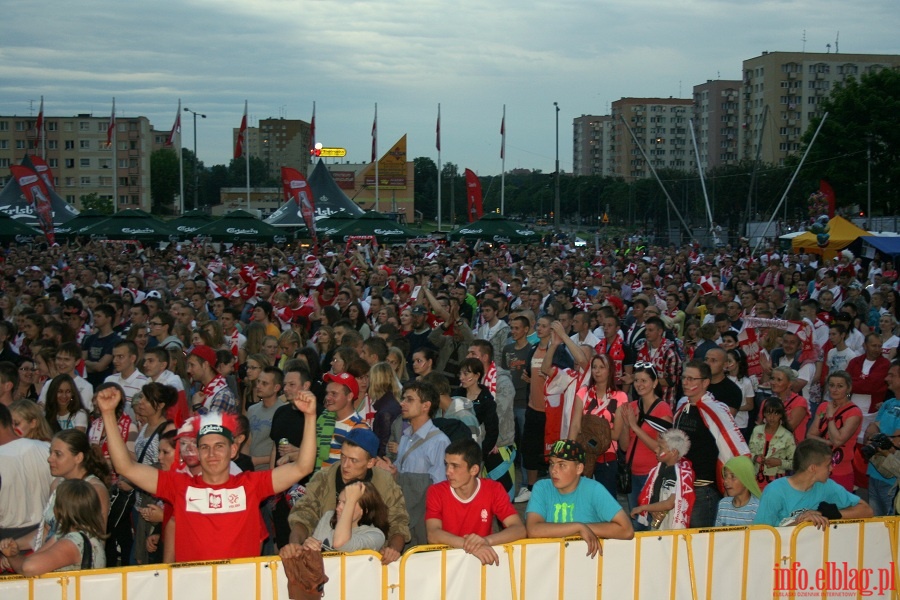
x: 850, y: 559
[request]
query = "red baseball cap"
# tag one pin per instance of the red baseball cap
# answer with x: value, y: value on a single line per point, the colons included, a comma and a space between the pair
x: 345, y: 379
x: 206, y: 353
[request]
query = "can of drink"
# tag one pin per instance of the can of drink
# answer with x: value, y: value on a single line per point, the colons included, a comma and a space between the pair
x: 283, y: 442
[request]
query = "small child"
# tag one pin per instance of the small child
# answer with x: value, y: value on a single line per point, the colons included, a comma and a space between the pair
x: 668, y: 494
x: 739, y: 507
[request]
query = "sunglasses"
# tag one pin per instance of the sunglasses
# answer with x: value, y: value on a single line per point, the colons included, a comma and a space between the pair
x: 645, y: 365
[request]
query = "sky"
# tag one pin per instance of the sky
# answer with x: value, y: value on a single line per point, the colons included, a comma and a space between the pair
x: 470, y: 56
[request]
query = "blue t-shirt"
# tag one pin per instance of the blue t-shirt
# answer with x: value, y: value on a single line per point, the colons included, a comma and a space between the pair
x: 589, y: 503
x: 728, y: 515
x: 888, y: 419
x: 781, y: 503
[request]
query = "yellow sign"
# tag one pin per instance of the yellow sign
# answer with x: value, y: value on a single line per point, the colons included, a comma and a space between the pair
x: 333, y: 152
x: 605, y: 218
x: 391, y: 168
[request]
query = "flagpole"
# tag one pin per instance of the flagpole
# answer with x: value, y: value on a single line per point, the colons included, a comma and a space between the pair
x: 439, y: 167
x: 180, y: 164
x: 503, y: 166
x: 247, y: 157
x: 375, y: 156
x: 43, y: 138
x: 115, y: 161
x: 312, y: 133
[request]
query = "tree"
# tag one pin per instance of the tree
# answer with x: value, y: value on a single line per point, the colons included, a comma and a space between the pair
x: 259, y: 174
x: 164, y: 184
x: 425, y: 177
x: 861, y: 114
x: 93, y: 201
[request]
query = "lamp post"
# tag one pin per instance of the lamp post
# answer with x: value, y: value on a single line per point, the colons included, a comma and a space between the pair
x: 196, y: 160
x: 868, y: 181
x: 556, y: 220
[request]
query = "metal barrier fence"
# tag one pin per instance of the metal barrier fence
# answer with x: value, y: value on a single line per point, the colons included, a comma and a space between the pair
x: 849, y: 559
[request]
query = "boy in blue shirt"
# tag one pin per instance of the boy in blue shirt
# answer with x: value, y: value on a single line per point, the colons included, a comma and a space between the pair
x: 568, y: 504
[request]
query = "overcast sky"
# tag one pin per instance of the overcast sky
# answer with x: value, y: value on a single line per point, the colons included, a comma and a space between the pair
x: 472, y: 56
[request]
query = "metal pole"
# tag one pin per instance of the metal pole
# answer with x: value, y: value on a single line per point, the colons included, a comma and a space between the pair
x: 196, y: 160
x: 869, y: 182
x: 556, y: 220
x: 762, y: 236
x: 700, y: 171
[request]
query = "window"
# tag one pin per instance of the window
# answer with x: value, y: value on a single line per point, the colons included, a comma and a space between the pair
x: 123, y: 181
x: 70, y: 198
x: 70, y: 181
x: 84, y: 126
x: 4, y: 125
x: 84, y: 144
x: 52, y: 144
x: 53, y: 162
x: 70, y: 144
x: 20, y: 144
x: 105, y: 163
x: 4, y: 162
x: 67, y: 126
x: 123, y: 163
x: 52, y: 126
x: 85, y: 162
x: 70, y: 163
x: 4, y: 144
x: 85, y: 180
x: 21, y: 125
x: 132, y: 145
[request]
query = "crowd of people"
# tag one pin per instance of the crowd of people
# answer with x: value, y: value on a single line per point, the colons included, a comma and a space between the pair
x: 362, y: 397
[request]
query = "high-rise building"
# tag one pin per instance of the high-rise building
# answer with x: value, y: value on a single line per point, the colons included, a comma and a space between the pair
x: 81, y: 162
x: 590, y: 152
x: 280, y: 143
x: 661, y: 127
x: 792, y: 85
x: 716, y: 122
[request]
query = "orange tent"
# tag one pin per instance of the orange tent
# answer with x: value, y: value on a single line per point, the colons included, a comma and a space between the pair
x: 841, y: 234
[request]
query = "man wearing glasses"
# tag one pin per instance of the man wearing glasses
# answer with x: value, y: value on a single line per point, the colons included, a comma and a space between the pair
x: 161, y: 329
x: 714, y: 437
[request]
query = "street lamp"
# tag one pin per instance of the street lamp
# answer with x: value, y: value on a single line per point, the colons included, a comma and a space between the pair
x: 556, y: 221
x: 196, y: 160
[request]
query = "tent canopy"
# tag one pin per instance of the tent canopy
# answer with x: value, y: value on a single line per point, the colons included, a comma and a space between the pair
x: 241, y: 227
x: 385, y: 229
x: 131, y: 224
x: 328, y: 226
x: 888, y: 245
x: 85, y: 219
x: 12, y: 231
x: 495, y: 228
x: 190, y: 222
x: 841, y: 234
x: 13, y: 203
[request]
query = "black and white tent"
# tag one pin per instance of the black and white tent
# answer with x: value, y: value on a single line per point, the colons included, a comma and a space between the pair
x: 13, y: 203
x: 329, y: 200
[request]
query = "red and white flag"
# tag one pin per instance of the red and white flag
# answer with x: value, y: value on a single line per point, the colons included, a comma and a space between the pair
x: 312, y: 131
x: 111, y: 127
x: 503, y: 135
x: 473, y: 196
x: 43, y: 170
x: 176, y: 127
x: 37, y: 195
x: 437, y: 133
x: 297, y: 189
x: 375, y: 136
x: 242, y: 135
x: 39, y: 125
x: 707, y: 286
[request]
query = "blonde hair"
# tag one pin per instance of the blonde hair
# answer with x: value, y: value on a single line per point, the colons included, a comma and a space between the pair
x: 28, y: 410
x: 383, y: 379
x: 401, y: 373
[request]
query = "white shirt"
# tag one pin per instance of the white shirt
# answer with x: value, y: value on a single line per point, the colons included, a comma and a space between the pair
x: 130, y: 386
x: 26, y: 482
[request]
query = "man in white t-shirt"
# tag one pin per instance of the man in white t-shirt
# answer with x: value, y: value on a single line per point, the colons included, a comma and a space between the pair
x: 67, y: 357
x: 127, y: 375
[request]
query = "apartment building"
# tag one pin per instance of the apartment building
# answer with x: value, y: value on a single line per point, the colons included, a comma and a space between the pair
x: 789, y: 87
x: 591, y: 140
x: 716, y: 114
x: 661, y: 128
x: 82, y: 164
x: 280, y: 143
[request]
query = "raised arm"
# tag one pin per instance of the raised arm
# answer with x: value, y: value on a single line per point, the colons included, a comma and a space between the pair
x: 142, y: 476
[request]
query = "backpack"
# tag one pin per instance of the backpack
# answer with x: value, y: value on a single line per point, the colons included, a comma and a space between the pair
x: 453, y: 428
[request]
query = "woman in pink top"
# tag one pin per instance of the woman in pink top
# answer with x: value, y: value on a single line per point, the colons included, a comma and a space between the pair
x: 837, y: 423
x: 644, y: 420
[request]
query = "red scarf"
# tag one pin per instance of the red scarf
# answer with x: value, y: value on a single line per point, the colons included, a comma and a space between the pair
x: 616, y: 352
x: 490, y: 379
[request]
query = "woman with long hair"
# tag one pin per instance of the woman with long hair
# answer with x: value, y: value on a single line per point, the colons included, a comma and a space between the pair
x: 70, y: 458
x: 644, y: 419
x: 270, y: 348
x: 216, y: 337
x: 772, y: 444
x: 471, y: 387
x: 342, y: 358
x: 29, y: 421
x: 325, y: 346
x: 837, y: 423
x: 737, y: 371
x: 140, y: 335
x: 795, y: 405
x: 255, y: 333
x: 32, y: 326
x: 357, y: 316
x: 45, y: 368
x: 397, y: 361
x: 601, y: 396
x: 77, y: 543
x: 406, y: 324
x: 385, y: 389
x: 423, y: 361
x: 27, y: 374
x: 358, y: 522
x: 63, y: 407
x: 288, y: 343
x: 254, y: 365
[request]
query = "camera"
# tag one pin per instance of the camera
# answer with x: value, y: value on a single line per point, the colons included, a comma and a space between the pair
x: 879, y: 441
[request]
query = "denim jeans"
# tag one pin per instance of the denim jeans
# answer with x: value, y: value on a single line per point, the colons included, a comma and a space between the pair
x: 881, y: 497
x: 519, y: 414
x: 606, y: 473
x: 706, y: 505
x: 637, y: 484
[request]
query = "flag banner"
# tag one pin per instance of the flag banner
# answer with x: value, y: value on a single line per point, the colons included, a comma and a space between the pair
x: 111, y: 128
x: 39, y: 125
x: 37, y: 195
x: 473, y: 196
x: 748, y: 339
x: 375, y: 138
x: 43, y: 170
x: 826, y: 189
x: 241, y: 141
x: 437, y: 141
x: 176, y: 127
x: 297, y: 189
x: 503, y: 136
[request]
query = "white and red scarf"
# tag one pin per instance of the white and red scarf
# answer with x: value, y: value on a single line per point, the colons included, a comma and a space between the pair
x: 216, y: 385
x: 720, y: 423
x: 684, y: 493
x: 490, y: 379
x: 615, y: 351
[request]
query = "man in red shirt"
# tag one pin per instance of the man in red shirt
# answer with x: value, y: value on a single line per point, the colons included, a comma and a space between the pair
x: 213, y: 505
x: 460, y: 511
